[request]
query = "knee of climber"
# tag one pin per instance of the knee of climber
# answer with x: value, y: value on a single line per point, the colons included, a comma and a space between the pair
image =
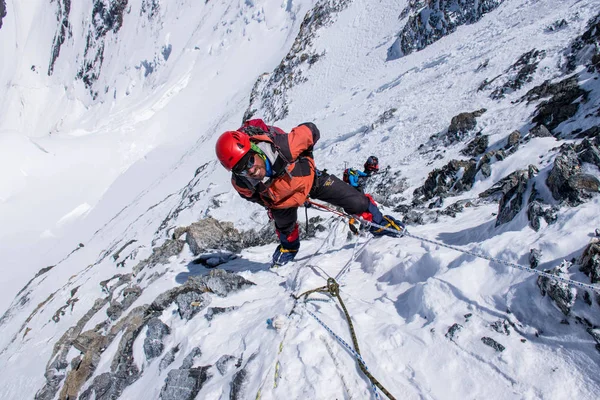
x: 291, y: 240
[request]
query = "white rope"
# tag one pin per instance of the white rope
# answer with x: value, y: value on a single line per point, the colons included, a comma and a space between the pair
x: 497, y: 260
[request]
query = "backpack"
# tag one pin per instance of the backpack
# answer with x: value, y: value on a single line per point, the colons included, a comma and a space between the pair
x: 346, y: 178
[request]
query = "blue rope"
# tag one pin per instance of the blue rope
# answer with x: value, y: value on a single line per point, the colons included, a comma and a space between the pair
x: 346, y: 345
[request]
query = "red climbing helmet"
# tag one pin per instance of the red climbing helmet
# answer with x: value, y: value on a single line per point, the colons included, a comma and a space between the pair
x: 231, y: 147
x: 372, y: 164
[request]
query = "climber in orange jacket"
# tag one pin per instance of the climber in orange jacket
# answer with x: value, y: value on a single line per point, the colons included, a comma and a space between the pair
x: 277, y: 170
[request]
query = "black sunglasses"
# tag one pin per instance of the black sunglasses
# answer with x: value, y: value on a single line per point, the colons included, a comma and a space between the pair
x: 247, y: 162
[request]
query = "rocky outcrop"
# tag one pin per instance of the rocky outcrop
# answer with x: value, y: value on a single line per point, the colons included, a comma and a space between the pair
x: 455, y: 177
x: 211, y: 234
x: 460, y: 126
x: 584, y: 49
x: 563, y: 104
x: 563, y: 295
x: 185, y: 382
x: 492, y: 343
x: 590, y: 261
x: 160, y: 255
x: 566, y: 180
x: 516, y: 76
x: 476, y: 146
x: 153, y: 343
x: 241, y: 379
x: 513, y: 188
x: 269, y: 93
x: 386, y: 186
x: 107, y: 16
x: 63, y: 31
x: 431, y: 20
x: 123, y: 368
x: 2, y: 11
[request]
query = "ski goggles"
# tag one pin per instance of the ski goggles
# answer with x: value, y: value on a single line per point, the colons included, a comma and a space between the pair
x: 248, y: 161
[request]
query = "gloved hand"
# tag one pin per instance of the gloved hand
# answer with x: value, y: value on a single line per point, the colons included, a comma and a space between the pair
x: 391, y: 224
x: 307, y: 204
x: 283, y: 256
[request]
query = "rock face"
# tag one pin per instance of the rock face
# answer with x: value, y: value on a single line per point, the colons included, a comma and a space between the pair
x: 563, y: 104
x: 514, y: 187
x: 460, y: 126
x: 160, y: 255
x: 563, y: 295
x: 2, y: 11
x: 492, y: 343
x: 123, y: 368
x: 269, y: 93
x: 566, y: 181
x: 438, y: 18
x: 584, y: 49
x: 516, y: 76
x: 454, y: 178
x: 211, y: 234
x: 476, y: 146
x: 590, y: 261
x: 153, y: 344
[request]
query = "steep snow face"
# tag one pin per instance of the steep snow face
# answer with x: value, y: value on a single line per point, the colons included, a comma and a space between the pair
x: 94, y: 86
x: 104, y: 302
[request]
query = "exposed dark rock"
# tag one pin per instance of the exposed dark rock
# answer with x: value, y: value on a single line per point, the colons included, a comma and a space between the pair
x: 454, y: 178
x: 217, y: 281
x: 386, y: 186
x: 63, y: 30
x: 540, y: 131
x: 561, y: 106
x: 160, y: 255
x: 534, y: 257
x: 153, y: 344
x: 211, y: 234
x: 227, y: 363
x: 518, y: 74
x: 584, y: 49
x: 476, y: 146
x: 270, y: 91
x: 590, y: 261
x: 168, y: 358
x: 188, y: 361
x: 492, y: 343
x: 433, y: 20
x: 212, y: 311
x: 462, y: 124
x: 501, y: 326
x: 99, y: 389
x: 513, y: 139
x: 107, y: 16
x: 453, y: 330
x: 191, y: 303
x: 184, y: 384
x: 563, y: 295
x: 511, y: 191
x: 556, y: 26
x: 240, y: 380
x: 2, y: 11
x: 592, y: 132
x: 485, y: 162
x: 565, y: 180
x: 537, y: 209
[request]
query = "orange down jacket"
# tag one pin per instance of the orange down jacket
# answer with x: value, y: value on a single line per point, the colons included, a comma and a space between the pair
x: 293, y: 170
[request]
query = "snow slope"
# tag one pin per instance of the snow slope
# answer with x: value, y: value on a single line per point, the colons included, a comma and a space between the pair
x: 85, y: 177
